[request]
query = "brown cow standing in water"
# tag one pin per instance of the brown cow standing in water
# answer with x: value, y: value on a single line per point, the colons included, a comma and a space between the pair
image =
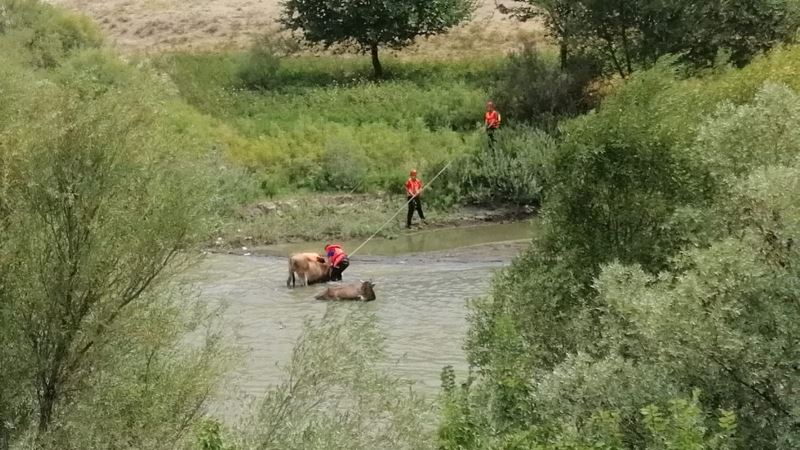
x: 309, y: 267
x: 357, y: 291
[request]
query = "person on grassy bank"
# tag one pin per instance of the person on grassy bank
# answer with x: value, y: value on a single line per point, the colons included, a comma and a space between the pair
x: 414, y: 191
x: 492, y: 121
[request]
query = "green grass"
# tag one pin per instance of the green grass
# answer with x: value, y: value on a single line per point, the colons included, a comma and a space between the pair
x: 323, y: 124
x: 308, y: 129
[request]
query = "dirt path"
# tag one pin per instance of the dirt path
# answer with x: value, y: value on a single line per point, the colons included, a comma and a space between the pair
x: 143, y: 26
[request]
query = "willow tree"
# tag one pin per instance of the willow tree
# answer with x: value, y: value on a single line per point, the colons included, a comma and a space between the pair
x: 371, y: 25
x: 102, y: 202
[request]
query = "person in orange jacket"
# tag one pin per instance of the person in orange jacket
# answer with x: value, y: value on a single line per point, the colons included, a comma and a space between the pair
x: 337, y: 260
x: 492, y: 121
x: 413, y: 193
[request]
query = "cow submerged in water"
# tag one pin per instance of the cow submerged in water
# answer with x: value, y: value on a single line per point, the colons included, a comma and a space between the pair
x: 357, y: 291
x: 309, y: 267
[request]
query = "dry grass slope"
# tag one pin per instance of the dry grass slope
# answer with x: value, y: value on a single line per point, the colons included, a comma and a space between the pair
x: 145, y: 26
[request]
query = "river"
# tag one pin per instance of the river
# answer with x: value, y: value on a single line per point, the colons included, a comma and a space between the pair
x: 420, y: 306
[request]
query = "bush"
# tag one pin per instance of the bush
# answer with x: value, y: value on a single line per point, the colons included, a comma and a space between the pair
x: 515, y: 173
x: 102, y: 197
x: 738, y: 139
x: 335, y: 396
x: 344, y: 168
x: 665, y: 265
x: 47, y: 34
x: 532, y: 89
x: 261, y: 64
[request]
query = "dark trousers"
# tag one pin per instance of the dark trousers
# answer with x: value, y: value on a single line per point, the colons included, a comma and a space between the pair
x: 336, y: 272
x: 492, y: 139
x: 414, y: 204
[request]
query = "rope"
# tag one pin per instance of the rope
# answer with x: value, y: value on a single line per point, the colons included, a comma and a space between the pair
x: 400, y: 210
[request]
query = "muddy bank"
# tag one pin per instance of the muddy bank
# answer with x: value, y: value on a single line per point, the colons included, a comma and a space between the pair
x: 317, y: 218
x: 487, y: 243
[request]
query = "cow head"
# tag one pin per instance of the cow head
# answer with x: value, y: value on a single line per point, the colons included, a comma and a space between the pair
x: 367, y: 291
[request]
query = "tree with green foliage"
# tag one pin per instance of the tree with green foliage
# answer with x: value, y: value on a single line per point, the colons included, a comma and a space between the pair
x: 101, y: 210
x: 371, y: 25
x: 632, y: 34
x: 666, y: 265
x: 559, y: 16
x: 101, y: 201
x: 533, y: 89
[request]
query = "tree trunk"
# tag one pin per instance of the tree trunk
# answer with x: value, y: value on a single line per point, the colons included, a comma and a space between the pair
x: 47, y: 403
x: 50, y: 380
x: 563, y: 53
x: 627, y: 52
x: 5, y: 437
x: 377, y: 70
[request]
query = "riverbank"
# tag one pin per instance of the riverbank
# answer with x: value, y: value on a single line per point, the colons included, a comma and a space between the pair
x: 319, y: 217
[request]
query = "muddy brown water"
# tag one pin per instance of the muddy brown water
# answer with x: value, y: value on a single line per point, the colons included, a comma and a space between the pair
x: 422, y: 281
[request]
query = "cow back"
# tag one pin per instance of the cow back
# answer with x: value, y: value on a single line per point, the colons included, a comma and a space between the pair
x: 307, y: 264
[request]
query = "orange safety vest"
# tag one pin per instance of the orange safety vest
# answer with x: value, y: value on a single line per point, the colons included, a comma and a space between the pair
x: 413, y: 187
x: 335, y: 254
x: 492, y: 119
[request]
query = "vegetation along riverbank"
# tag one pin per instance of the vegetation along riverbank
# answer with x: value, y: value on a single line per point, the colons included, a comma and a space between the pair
x: 656, y: 306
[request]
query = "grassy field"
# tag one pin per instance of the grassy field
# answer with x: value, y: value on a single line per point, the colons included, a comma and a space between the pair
x: 324, y: 126
x: 310, y: 126
x: 323, y: 129
x: 149, y: 26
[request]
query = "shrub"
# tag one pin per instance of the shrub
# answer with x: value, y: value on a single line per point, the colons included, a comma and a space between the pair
x: 514, y: 173
x: 533, y: 89
x: 335, y: 395
x: 343, y: 168
x: 259, y: 67
x: 665, y: 265
x: 46, y: 34
x: 102, y: 199
x: 738, y: 139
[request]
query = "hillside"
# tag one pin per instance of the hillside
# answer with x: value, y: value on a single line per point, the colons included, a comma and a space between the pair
x: 164, y: 25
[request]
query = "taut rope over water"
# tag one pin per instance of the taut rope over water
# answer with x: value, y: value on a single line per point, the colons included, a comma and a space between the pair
x: 400, y: 210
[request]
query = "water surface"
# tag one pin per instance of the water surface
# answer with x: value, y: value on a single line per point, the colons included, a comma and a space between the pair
x: 420, y: 304
x: 421, y: 241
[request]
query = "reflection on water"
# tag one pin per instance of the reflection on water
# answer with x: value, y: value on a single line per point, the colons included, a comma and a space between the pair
x: 423, y: 241
x: 421, y: 311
